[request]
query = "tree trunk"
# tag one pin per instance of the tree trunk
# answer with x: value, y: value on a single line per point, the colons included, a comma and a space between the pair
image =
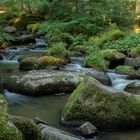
x: 137, y: 17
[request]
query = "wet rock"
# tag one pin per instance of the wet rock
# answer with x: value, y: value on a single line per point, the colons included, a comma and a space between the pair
x: 27, y: 38
x: 103, y: 106
x: 133, y: 88
x: 76, y: 54
x: 48, y: 132
x: 10, y: 29
x: 100, y: 76
x: 44, y: 82
x: 88, y: 130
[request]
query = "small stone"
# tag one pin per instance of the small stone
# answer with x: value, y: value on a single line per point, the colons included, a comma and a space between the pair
x: 87, y: 129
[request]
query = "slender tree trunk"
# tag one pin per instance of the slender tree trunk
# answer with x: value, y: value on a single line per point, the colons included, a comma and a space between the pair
x: 137, y: 10
x: 21, y: 5
x: 137, y: 17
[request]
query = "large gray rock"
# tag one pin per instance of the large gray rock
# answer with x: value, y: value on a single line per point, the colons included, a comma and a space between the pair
x: 103, y: 106
x: 10, y: 29
x: 133, y: 88
x: 50, y: 133
x: 44, y: 82
x: 133, y: 62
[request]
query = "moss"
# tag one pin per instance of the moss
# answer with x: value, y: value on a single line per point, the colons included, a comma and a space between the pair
x: 104, y: 107
x: 124, y: 69
x: 111, y: 54
x: 7, y: 132
x: 58, y: 50
x: 96, y: 61
x: 135, y: 52
x: 28, y: 129
x: 28, y: 63
x: 48, y: 61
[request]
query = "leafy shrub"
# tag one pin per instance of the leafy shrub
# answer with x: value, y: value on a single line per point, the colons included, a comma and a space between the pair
x: 135, y: 52
x: 124, y: 45
x: 96, y: 61
x: 111, y: 34
x: 7, y: 132
x: 5, y: 37
x: 58, y: 50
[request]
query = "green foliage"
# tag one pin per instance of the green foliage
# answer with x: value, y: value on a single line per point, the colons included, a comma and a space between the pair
x: 7, y: 132
x: 5, y: 37
x: 111, y: 34
x: 110, y: 54
x: 96, y: 61
x: 124, y: 45
x: 58, y: 49
x: 135, y: 52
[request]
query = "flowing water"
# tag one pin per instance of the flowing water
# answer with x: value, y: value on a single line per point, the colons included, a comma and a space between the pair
x: 49, y: 108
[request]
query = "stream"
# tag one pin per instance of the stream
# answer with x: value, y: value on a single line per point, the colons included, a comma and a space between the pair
x: 49, y: 107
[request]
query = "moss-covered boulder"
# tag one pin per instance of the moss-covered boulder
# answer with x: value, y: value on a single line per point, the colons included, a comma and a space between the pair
x: 97, y: 62
x: 124, y: 69
x: 44, y: 62
x: 135, y: 52
x: 104, y: 106
x: 7, y: 130
x: 113, y: 56
x: 133, y: 88
x: 48, y: 61
x: 27, y: 127
x: 28, y: 63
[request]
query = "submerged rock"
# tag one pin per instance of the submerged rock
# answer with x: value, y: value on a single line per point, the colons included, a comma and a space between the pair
x: 88, y: 130
x: 50, y: 133
x: 103, y: 106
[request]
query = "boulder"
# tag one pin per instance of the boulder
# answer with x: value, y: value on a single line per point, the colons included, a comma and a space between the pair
x: 133, y: 62
x: 44, y: 62
x: 27, y: 38
x: 44, y: 82
x: 133, y: 88
x: 103, y: 106
x: 27, y: 127
x: 10, y: 29
x: 50, y: 133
